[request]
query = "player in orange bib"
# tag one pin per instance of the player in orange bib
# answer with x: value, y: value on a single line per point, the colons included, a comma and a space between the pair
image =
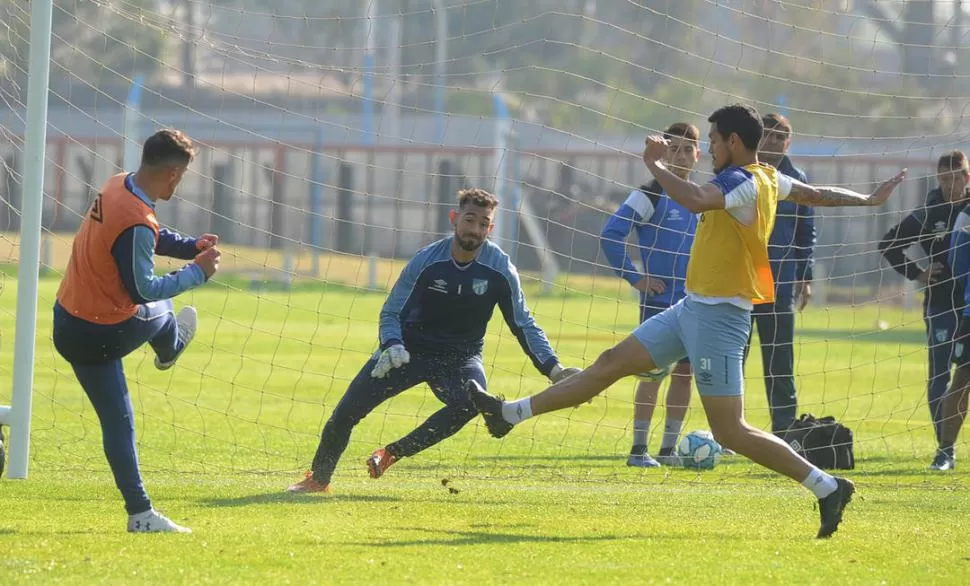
x: 727, y: 274
x: 110, y: 303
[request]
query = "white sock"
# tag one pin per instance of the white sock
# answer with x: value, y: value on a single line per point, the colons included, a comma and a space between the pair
x: 821, y: 483
x: 671, y: 433
x: 641, y: 432
x: 517, y: 411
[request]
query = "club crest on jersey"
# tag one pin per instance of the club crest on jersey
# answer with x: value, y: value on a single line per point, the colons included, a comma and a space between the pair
x: 479, y: 286
x: 942, y: 335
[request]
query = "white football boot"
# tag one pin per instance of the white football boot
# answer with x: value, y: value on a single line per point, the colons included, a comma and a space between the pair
x: 188, y: 321
x: 151, y: 521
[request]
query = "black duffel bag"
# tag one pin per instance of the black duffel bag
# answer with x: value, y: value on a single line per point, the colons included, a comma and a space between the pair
x: 822, y: 441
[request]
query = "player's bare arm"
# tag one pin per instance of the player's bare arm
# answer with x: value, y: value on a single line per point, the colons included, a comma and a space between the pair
x: 696, y: 198
x: 828, y: 196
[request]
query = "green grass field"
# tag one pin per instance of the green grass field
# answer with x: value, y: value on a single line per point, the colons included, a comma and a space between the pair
x: 224, y: 433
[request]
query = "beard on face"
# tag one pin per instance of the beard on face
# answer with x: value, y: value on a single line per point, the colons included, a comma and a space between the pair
x: 953, y: 194
x: 468, y: 243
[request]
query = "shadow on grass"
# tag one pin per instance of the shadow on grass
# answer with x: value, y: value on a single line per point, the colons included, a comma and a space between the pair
x: 930, y: 478
x: 557, y: 458
x: 281, y: 497
x: 458, y: 538
x: 57, y: 532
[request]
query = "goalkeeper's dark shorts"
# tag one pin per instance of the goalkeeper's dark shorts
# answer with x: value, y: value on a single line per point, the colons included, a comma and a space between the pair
x: 961, y: 342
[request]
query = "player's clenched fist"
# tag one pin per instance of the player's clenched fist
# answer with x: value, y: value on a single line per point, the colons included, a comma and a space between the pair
x: 206, y: 241
x: 208, y: 261
x: 655, y: 149
x: 392, y: 357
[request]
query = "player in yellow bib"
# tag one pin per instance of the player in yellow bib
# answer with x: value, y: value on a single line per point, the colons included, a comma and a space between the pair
x: 728, y: 273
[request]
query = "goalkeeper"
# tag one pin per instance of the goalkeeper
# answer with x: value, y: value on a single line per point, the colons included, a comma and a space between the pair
x: 432, y: 330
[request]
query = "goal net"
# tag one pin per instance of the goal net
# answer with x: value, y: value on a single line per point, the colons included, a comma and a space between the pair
x: 333, y: 137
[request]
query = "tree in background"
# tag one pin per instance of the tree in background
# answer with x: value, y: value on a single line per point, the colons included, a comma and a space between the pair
x: 91, y: 40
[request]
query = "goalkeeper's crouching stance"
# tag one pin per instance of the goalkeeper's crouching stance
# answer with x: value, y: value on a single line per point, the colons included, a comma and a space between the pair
x: 432, y: 329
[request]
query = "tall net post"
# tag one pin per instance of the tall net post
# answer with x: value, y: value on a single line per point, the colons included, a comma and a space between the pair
x: 35, y: 143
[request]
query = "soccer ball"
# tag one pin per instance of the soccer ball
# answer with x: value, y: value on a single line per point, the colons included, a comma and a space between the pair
x: 656, y: 375
x: 699, y: 450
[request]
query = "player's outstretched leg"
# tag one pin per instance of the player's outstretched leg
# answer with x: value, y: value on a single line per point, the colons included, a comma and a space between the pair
x: 625, y: 359
x: 167, y: 347
x: 105, y: 385
x: 446, y: 375
x: 725, y: 414
x: 363, y: 395
x: 95, y: 353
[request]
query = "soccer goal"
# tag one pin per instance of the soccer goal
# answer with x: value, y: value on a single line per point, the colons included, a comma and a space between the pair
x: 333, y: 138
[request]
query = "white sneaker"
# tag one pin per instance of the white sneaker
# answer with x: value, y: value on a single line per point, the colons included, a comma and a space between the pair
x: 151, y: 521
x: 188, y: 321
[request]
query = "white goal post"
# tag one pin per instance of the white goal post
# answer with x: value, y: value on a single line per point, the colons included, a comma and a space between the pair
x: 17, y: 416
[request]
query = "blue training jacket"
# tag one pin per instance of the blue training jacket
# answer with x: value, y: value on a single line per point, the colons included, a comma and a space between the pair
x: 439, y: 306
x: 665, y: 232
x: 791, y: 247
x: 959, y: 256
x: 134, y: 253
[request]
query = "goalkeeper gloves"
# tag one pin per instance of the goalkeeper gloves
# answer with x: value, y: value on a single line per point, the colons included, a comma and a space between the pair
x: 392, y: 357
x: 559, y: 373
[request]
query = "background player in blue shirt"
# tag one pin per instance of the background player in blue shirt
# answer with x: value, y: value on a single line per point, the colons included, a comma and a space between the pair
x: 432, y: 330
x: 930, y: 226
x: 955, y: 400
x: 665, y: 231
x: 791, y: 250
